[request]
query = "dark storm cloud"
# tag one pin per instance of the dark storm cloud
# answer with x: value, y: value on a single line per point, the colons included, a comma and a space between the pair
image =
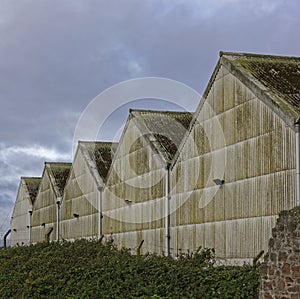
x: 55, y: 56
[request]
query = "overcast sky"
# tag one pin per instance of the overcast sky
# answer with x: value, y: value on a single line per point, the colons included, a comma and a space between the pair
x: 56, y: 56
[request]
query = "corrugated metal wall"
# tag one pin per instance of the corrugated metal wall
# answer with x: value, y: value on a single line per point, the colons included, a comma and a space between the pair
x: 20, y: 219
x: 81, y: 198
x: 139, y: 177
x: 44, y: 211
x: 256, y: 150
x: 236, y: 138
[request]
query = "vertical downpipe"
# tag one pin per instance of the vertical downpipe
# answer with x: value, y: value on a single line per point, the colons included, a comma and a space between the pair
x: 30, y: 226
x: 100, y: 189
x: 297, y: 132
x: 5, y: 238
x: 58, y: 203
x: 167, y: 211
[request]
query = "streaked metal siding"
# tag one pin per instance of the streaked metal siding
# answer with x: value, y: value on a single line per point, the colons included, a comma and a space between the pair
x: 20, y: 219
x: 259, y: 175
x: 138, y: 176
x: 80, y: 197
x: 44, y: 211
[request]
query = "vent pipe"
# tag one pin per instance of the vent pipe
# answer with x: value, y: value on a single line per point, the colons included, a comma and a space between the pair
x: 30, y: 226
x: 297, y: 133
x: 167, y: 211
x: 58, y: 204
x: 100, y: 189
x: 5, y: 237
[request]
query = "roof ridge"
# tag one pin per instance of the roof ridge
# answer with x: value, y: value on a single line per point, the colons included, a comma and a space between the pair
x: 30, y: 177
x: 157, y: 111
x: 272, y: 79
x: 58, y: 163
x: 163, y: 141
x: 245, y: 54
x: 97, y: 142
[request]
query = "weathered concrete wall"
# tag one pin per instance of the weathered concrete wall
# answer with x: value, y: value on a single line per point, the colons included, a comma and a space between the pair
x: 20, y: 222
x: 138, y: 176
x: 238, y: 139
x: 81, y: 198
x: 280, y: 273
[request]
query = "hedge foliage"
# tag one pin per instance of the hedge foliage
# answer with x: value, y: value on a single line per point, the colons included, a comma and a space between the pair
x: 88, y: 269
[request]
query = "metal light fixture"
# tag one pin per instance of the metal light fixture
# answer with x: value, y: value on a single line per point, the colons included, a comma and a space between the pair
x: 43, y: 224
x: 76, y: 215
x: 127, y: 201
x: 219, y: 182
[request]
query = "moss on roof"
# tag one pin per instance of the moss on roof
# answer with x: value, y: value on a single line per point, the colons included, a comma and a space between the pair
x: 279, y: 74
x: 60, y: 171
x: 102, y: 154
x: 167, y: 127
x: 32, y: 184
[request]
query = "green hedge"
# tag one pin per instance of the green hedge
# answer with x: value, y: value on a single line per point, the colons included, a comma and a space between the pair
x: 88, y: 269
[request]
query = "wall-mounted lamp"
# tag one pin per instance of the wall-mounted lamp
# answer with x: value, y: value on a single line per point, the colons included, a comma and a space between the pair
x: 43, y: 224
x: 14, y: 230
x: 30, y: 212
x: 219, y: 182
x: 76, y: 215
x: 28, y: 226
x: 127, y: 201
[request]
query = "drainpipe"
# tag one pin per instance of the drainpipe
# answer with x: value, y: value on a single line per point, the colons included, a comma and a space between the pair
x: 58, y: 204
x: 297, y: 133
x: 167, y: 211
x: 5, y: 237
x: 30, y: 226
x: 100, y: 189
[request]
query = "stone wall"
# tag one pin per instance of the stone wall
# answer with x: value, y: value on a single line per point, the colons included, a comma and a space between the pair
x: 280, y: 272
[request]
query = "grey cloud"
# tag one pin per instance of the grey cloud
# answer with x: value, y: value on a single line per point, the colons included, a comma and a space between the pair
x: 16, y: 161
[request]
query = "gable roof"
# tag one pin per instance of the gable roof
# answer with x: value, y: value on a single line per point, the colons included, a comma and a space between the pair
x: 164, y: 129
x: 32, y: 185
x: 274, y: 79
x: 99, y: 156
x: 58, y: 173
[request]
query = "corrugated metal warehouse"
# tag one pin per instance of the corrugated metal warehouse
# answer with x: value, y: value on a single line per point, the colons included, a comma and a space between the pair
x: 50, y: 192
x: 21, y: 220
x: 81, y: 206
x: 134, y: 197
x: 241, y: 174
x: 214, y: 178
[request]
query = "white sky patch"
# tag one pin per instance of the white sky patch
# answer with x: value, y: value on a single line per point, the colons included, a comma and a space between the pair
x: 134, y: 67
x: 209, y: 8
x: 203, y: 8
x: 264, y: 8
x: 34, y: 151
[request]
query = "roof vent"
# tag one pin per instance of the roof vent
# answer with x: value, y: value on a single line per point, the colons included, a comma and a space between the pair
x: 219, y: 182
